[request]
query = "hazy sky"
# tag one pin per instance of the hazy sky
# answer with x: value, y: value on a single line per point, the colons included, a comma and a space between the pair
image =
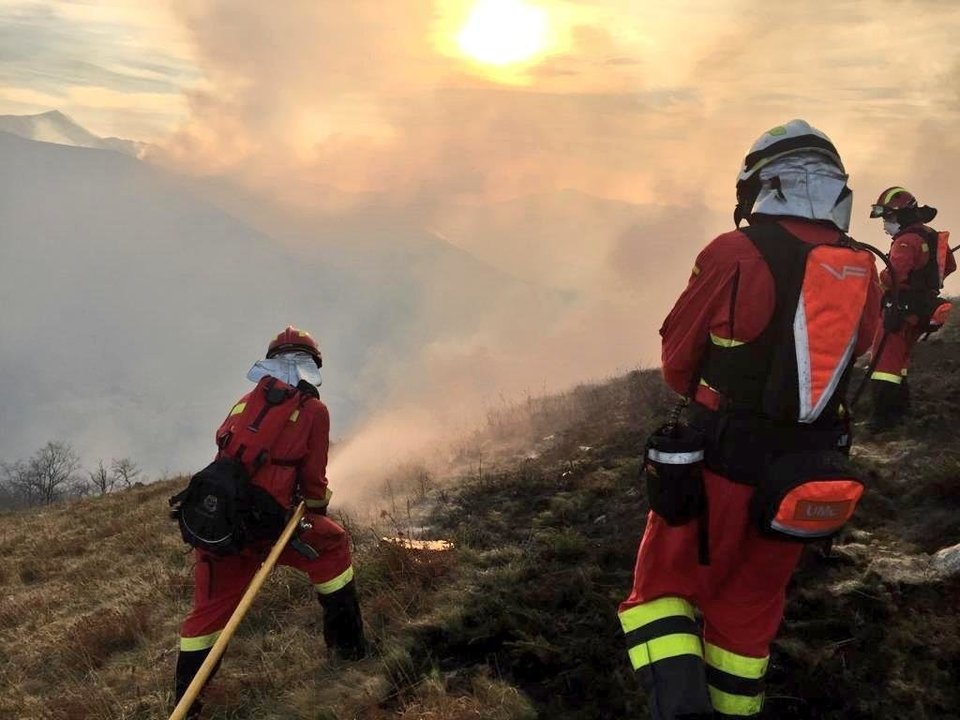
x: 643, y: 101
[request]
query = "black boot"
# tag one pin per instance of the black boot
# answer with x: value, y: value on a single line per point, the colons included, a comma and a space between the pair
x: 188, y: 664
x: 890, y: 404
x: 343, y: 624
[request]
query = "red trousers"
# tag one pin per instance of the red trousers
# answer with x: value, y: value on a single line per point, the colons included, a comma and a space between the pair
x: 740, y: 594
x: 895, y: 358
x: 219, y: 582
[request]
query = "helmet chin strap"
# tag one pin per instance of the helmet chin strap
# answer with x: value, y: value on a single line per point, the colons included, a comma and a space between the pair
x: 739, y: 215
x: 747, y: 192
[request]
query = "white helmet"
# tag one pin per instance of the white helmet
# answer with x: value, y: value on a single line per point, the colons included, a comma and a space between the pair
x: 795, y: 170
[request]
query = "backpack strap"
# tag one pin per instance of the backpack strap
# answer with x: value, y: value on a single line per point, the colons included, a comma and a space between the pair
x: 740, y: 371
x: 274, y: 399
x: 255, y: 431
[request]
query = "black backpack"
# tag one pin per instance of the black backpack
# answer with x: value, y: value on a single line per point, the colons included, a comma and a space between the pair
x: 221, y: 510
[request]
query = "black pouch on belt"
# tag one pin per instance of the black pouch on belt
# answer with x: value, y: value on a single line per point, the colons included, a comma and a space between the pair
x: 673, y: 462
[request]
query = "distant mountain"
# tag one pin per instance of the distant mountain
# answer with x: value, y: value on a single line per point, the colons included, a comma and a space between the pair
x: 133, y: 308
x: 55, y: 127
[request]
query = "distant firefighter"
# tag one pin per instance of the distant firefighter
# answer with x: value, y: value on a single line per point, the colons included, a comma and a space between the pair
x: 272, y: 452
x: 921, y: 259
x: 763, y: 340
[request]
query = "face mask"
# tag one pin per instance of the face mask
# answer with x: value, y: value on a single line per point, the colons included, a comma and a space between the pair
x: 290, y: 368
x: 891, y: 227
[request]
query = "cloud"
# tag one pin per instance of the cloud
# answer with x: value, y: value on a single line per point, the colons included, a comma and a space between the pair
x: 61, y: 50
x: 364, y: 100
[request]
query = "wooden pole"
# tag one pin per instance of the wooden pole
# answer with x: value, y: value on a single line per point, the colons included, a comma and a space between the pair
x: 216, y: 652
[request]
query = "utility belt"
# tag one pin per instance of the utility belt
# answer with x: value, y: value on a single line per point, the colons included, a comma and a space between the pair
x: 741, y: 446
x: 916, y: 302
x: 805, y: 488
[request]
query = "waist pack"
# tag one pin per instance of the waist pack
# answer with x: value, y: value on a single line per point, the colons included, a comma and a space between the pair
x: 921, y: 304
x: 805, y: 487
x: 222, y: 510
x: 938, y: 318
x: 806, y: 496
x: 673, y: 463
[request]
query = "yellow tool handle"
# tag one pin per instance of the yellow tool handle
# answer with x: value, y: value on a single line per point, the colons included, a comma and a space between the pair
x: 216, y: 652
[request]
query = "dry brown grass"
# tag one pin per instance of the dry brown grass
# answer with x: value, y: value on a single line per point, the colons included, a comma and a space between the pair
x: 86, y: 606
x: 92, y: 593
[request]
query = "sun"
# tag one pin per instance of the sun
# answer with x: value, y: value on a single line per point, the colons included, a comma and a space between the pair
x: 504, y: 32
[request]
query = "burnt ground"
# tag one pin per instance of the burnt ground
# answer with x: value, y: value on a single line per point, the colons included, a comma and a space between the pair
x: 548, y: 542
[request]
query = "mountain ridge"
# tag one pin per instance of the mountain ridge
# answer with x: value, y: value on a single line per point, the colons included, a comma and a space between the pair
x: 58, y: 128
x: 140, y: 278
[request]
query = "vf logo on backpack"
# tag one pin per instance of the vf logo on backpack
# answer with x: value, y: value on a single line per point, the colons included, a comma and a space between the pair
x: 845, y: 272
x: 222, y: 510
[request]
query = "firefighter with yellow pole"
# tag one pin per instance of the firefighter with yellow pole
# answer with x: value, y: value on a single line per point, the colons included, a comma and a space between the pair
x: 271, y: 451
x: 216, y: 652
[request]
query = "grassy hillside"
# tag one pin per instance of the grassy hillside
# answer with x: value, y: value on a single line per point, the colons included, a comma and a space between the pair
x: 519, y: 621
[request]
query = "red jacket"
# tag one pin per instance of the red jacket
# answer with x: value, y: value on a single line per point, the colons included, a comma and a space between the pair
x: 306, y: 438
x: 909, y: 251
x: 703, y: 308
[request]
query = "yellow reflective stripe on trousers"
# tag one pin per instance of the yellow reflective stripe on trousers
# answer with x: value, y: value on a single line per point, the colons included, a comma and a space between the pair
x: 733, y: 664
x: 637, y: 617
x: 665, y: 647
x: 725, y: 342
x: 735, y: 704
x: 887, y: 377
x: 340, y: 581
x: 192, y: 644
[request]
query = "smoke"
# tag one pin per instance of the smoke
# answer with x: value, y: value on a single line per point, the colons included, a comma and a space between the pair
x: 367, y: 100
x: 594, y: 176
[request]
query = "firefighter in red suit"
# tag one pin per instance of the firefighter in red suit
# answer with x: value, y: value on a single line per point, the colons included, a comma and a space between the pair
x: 792, y: 182
x: 921, y: 259
x: 322, y: 549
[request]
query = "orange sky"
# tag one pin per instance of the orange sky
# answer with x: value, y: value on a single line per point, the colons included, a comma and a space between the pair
x: 641, y: 101
x: 331, y: 104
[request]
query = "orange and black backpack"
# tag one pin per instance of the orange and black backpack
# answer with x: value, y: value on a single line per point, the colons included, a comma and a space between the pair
x: 931, y: 276
x: 922, y: 296
x: 222, y: 510
x: 783, y: 426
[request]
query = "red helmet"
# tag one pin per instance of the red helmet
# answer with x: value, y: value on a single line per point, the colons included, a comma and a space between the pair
x: 293, y: 339
x: 893, y: 200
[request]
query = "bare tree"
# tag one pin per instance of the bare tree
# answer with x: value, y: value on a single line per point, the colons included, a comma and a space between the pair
x: 47, y: 476
x: 125, y: 471
x: 16, y: 486
x: 101, y: 480
x: 53, y: 469
x: 8, y: 499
